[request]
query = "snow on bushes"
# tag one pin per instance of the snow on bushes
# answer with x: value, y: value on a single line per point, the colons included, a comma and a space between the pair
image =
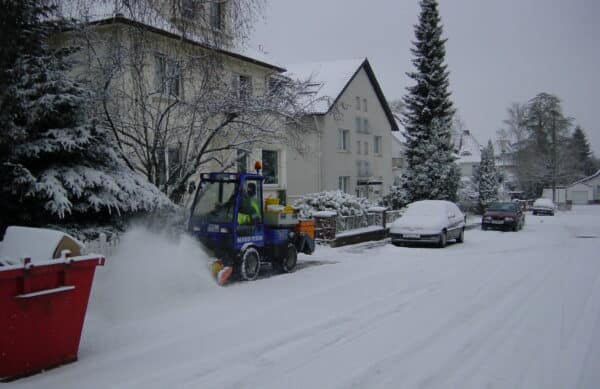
x: 396, y: 199
x: 342, y: 203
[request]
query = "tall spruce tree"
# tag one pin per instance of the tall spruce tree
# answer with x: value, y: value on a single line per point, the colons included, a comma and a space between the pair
x: 583, y: 161
x: 488, y: 178
x: 432, y: 172
x: 58, y: 165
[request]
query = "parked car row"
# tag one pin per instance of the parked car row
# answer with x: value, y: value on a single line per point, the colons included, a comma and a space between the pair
x: 439, y: 221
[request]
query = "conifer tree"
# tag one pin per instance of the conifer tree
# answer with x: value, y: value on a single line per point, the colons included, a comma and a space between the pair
x: 58, y: 165
x: 488, y: 178
x: 581, y: 154
x: 432, y: 172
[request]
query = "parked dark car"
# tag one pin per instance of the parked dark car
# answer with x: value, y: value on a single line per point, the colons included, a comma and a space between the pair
x: 506, y: 216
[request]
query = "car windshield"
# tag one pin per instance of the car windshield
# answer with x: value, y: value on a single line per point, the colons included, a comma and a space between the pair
x: 502, y: 207
x: 215, y: 202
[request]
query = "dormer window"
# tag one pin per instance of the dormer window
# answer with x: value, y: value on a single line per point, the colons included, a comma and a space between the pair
x: 216, y: 15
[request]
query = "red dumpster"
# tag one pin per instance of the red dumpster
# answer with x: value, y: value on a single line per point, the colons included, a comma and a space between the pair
x: 42, y: 308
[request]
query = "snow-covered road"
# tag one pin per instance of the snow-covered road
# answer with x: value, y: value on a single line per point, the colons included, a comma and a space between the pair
x: 502, y: 310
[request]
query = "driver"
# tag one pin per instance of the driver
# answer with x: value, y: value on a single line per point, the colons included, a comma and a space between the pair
x: 249, y: 212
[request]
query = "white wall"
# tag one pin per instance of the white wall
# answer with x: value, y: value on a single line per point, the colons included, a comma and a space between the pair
x: 561, y: 195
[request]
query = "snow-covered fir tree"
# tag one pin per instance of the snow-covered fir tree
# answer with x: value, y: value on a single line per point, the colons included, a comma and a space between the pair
x: 432, y: 172
x: 59, y: 165
x: 488, y: 178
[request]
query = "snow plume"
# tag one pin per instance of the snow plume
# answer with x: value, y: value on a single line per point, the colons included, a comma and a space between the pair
x: 150, y: 273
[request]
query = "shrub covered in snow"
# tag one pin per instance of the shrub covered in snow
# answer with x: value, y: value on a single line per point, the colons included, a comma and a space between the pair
x: 468, y: 195
x: 396, y: 199
x: 342, y: 203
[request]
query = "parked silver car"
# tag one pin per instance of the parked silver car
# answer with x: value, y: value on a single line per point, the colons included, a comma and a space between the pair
x: 429, y: 221
x: 543, y: 207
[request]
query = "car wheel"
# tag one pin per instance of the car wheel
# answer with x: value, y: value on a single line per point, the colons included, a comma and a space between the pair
x: 484, y: 228
x: 534, y: 213
x: 443, y: 240
x: 461, y: 236
x: 398, y: 244
x: 250, y: 264
x: 287, y: 264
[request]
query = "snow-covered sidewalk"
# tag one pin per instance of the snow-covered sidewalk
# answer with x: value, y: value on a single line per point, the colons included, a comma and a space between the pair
x: 502, y: 310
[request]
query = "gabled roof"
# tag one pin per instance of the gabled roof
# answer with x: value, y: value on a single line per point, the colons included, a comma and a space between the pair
x: 584, y: 180
x: 469, y: 149
x: 329, y: 80
x: 107, y: 12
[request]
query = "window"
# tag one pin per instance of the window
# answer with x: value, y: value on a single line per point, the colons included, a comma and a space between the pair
x: 358, y: 124
x: 366, y: 125
x: 364, y: 168
x: 270, y: 160
x: 377, y: 145
x: 357, y: 103
x: 365, y: 104
x: 366, y: 148
x: 242, y: 161
x: 276, y: 86
x: 343, y: 140
x: 167, y: 76
x: 343, y: 183
x: 242, y: 86
x: 216, y: 15
x: 189, y: 9
x: 358, y: 147
x: 173, y: 161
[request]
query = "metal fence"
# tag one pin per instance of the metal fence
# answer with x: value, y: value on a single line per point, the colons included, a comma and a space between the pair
x: 391, y: 216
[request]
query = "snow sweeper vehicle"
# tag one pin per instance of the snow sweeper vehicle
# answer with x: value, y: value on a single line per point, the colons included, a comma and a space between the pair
x: 228, y: 217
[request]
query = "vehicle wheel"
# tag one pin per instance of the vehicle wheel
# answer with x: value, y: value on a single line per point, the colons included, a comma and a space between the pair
x: 534, y: 213
x: 484, y: 228
x: 398, y: 244
x: 250, y: 264
x: 461, y: 236
x: 288, y: 264
x: 443, y: 240
x: 515, y: 227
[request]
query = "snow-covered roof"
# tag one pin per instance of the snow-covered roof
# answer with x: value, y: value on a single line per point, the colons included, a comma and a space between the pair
x: 469, y: 150
x: 584, y: 180
x: 328, y: 80
x: 105, y: 11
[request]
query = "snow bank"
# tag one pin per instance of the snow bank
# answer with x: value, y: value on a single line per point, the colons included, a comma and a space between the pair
x: 149, y: 274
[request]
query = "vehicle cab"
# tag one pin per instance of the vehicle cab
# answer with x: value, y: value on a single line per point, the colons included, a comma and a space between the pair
x: 223, y: 216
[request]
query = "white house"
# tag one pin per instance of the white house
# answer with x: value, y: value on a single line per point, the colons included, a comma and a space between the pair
x: 351, y: 146
x: 585, y: 191
x: 398, y: 156
x: 469, y: 153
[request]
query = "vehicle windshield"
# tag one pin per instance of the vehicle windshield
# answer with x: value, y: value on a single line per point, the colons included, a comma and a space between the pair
x: 215, y: 202
x: 502, y: 207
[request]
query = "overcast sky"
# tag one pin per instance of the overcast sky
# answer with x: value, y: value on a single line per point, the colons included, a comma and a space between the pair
x: 498, y: 51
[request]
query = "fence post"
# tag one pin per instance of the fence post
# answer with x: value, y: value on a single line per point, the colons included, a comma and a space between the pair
x: 380, y: 212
